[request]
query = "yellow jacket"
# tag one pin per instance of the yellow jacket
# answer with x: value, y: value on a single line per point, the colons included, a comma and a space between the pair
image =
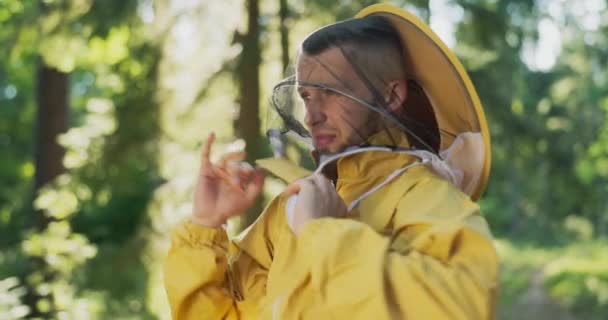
x: 415, y: 249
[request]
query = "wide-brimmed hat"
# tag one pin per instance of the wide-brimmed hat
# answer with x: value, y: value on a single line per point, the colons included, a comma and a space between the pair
x: 441, y: 115
x: 444, y: 81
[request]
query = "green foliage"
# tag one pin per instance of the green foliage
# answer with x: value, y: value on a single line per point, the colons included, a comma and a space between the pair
x: 149, y: 80
x: 542, y: 121
x: 110, y: 146
x: 11, y: 293
x: 570, y: 280
x: 17, y: 67
x: 579, y: 279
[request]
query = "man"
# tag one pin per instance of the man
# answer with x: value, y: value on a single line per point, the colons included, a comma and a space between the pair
x: 386, y: 226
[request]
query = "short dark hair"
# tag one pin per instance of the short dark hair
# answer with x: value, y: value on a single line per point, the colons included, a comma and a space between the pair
x: 371, y: 45
x: 364, y: 42
x: 369, y: 31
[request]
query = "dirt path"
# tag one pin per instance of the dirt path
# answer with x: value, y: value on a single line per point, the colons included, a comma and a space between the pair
x: 535, y: 304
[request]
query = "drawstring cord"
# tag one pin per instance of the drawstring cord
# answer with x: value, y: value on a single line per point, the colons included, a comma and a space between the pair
x: 388, y: 179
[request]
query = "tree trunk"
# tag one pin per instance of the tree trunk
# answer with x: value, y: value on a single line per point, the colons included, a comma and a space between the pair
x: 52, y: 120
x: 248, y: 122
x: 283, y: 16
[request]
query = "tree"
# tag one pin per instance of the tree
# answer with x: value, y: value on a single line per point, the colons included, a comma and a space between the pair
x: 247, y: 125
x: 109, y: 144
x: 52, y: 118
x: 284, y: 14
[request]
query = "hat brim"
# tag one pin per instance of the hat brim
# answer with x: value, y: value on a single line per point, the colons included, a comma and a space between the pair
x: 439, y: 72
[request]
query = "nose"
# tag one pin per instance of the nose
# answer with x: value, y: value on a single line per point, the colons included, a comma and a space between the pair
x: 314, y: 111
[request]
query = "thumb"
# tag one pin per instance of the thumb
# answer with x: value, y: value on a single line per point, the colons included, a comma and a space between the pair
x: 292, y: 188
x: 255, y: 186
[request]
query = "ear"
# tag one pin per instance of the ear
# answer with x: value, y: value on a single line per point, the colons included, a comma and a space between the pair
x: 396, y: 95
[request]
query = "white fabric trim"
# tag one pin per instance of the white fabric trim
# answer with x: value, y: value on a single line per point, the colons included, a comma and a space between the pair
x: 275, y: 308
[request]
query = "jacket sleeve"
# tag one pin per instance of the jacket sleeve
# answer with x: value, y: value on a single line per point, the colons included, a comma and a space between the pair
x: 208, y: 276
x: 438, y: 262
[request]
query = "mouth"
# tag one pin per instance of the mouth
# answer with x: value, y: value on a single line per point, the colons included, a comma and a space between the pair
x: 323, y: 140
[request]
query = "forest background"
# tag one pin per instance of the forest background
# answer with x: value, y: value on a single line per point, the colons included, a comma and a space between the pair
x: 104, y: 104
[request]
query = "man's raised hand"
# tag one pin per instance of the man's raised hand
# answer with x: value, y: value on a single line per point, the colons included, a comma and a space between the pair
x: 225, y: 189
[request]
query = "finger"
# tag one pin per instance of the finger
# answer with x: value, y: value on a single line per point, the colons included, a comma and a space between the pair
x: 245, y: 174
x: 254, y: 188
x: 296, y: 187
x: 231, y: 180
x: 241, y: 170
x: 205, y: 162
x: 238, y: 168
x: 232, y: 157
x: 246, y: 166
x: 292, y: 188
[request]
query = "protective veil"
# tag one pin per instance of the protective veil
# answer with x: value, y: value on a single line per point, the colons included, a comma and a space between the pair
x: 441, y: 115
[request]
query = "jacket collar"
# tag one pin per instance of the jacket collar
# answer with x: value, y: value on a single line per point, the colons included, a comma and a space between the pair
x: 366, y: 165
x: 373, y: 163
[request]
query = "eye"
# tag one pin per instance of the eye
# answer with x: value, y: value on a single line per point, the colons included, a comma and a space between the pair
x: 328, y: 92
x: 331, y: 94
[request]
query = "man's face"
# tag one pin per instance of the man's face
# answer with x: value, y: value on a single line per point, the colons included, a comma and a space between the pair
x: 335, y: 121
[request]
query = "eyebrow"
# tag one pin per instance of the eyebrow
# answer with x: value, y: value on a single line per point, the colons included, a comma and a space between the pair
x: 301, y: 86
x: 345, y: 84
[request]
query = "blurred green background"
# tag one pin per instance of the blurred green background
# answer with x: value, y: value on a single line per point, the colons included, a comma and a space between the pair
x: 104, y: 104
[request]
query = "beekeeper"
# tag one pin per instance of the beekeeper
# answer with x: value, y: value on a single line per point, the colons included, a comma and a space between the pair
x: 387, y: 225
